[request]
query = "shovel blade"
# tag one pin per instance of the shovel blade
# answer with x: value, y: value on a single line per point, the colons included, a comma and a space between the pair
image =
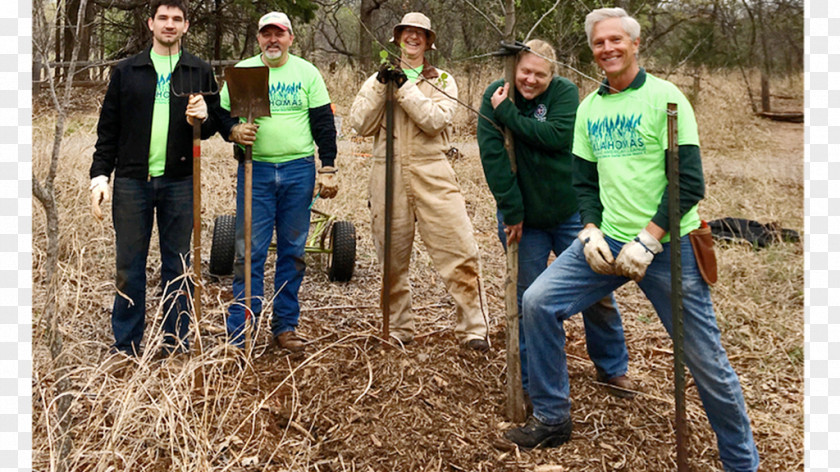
x: 248, y: 88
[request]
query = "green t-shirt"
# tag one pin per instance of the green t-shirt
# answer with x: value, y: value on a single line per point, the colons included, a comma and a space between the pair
x: 413, y: 74
x: 160, y: 114
x: 626, y: 134
x: 293, y: 89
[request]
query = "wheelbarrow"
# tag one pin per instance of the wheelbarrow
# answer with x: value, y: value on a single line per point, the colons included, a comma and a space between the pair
x: 327, y: 235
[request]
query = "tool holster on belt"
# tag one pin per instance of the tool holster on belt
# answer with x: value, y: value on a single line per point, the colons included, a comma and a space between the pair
x: 704, y: 251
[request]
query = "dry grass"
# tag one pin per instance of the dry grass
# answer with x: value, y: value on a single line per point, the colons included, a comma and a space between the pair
x: 353, y: 404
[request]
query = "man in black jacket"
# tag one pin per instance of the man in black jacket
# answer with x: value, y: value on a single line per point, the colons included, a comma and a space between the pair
x: 145, y: 138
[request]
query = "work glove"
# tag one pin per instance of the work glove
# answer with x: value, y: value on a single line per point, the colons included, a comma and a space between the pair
x: 196, y: 108
x: 635, y: 257
x: 244, y: 134
x: 398, y: 76
x: 597, y: 251
x: 327, y: 184
x: 99, y: 193
x: 384, y: 74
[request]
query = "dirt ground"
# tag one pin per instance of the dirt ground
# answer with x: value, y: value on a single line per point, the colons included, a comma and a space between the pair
x: 353, y: 403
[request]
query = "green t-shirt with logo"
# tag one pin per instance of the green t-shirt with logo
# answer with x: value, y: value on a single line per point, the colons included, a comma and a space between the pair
x: 293, y: 89
x: 160, y: 114
x: 626, y: 134
x: 413, y: 74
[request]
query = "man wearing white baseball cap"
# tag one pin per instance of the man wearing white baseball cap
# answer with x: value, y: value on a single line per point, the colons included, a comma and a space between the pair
x: 284, y: 178
x: 275, y: 18
x: 427, y: 196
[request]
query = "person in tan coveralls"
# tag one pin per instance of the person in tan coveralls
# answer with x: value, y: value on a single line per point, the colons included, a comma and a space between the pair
x: 426, y: 191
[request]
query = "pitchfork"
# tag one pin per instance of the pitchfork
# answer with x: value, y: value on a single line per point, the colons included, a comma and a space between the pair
x: 205, y: 89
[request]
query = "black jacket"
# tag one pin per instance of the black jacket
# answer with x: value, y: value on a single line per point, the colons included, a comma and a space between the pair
x: 125, y: 122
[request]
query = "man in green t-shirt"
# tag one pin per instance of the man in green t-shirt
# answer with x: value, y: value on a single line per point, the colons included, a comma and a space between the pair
x: 536, y: 205
x: 144, y: 138
x: 619, y: 176
x: 283, y: 178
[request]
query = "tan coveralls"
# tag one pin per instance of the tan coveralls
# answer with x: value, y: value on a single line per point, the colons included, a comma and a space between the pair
x: 426, y: 192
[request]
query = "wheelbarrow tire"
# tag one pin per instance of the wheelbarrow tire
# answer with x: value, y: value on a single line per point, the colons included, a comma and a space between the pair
x: 224, y: 245
x: 342, y: 251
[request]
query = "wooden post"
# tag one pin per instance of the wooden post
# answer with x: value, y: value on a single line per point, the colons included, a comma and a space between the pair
x: 515, y: 405
x: 249, y: 184
x: 676, y: 286
x: 196, y: 262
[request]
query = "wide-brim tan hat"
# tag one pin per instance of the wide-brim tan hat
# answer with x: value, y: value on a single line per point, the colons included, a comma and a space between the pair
x: 417, y: 20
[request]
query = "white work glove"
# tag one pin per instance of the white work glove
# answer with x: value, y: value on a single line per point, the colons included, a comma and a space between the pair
x: 99, y: 193
x: 244, y: 134
x: 196, y: 108
x: 597, y: 251
x: 635, y: 257
x: 326, y: 183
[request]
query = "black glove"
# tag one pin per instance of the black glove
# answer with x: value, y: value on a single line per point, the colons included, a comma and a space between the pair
x: 384, y: 74
x: 398, y: 76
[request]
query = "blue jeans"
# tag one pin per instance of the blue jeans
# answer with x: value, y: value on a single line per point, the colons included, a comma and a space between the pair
x: 569, y: 284
x: 282, y: 194
x: 601, y: 321
x: 134, y: 205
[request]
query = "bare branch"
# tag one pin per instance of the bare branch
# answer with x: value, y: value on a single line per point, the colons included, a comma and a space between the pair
x: 528, y: 36
x: 489, y: 21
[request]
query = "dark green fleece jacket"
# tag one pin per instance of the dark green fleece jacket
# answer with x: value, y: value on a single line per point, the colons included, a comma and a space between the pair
x: 541, y: 193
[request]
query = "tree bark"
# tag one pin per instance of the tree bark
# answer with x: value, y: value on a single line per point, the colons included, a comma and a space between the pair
x: 75, y: 15
x: 366, y: 10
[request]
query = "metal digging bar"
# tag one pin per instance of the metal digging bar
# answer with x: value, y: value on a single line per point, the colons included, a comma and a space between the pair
x: 389, y: 207
x: 676, y: 286
x: 248, y: 88
x: 186, y: 90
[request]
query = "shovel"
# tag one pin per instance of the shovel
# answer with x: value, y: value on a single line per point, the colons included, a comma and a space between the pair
x: 248, y: 88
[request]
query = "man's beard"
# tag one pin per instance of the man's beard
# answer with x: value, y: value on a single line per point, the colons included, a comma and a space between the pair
x: 169, y: 42
x: 273, y: 55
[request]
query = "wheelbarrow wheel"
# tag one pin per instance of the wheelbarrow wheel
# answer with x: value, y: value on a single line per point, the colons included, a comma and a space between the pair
x: 342, y: 251
x: 224, y: 245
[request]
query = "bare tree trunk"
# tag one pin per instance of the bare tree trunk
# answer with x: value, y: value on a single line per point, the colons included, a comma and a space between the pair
x: 250, y: 37
x: 44, y: 192
x: 366, y: 16
x: 766, y: 66
x: 217, y: 30
x: 59, y: 29
x: 77, y: 32
x: 765, y: 91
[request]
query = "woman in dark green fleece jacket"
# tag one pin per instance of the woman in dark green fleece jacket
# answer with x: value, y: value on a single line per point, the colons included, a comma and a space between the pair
x: 537, y: 206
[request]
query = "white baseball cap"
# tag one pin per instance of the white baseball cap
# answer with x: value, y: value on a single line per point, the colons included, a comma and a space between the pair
x: 275, y: 18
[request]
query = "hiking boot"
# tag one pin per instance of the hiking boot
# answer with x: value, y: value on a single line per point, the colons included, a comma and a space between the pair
x: 536, y: 434
x: 402, y: 340
x: 620, y: 386
x: 478, y: 344
x: 291, y: 341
